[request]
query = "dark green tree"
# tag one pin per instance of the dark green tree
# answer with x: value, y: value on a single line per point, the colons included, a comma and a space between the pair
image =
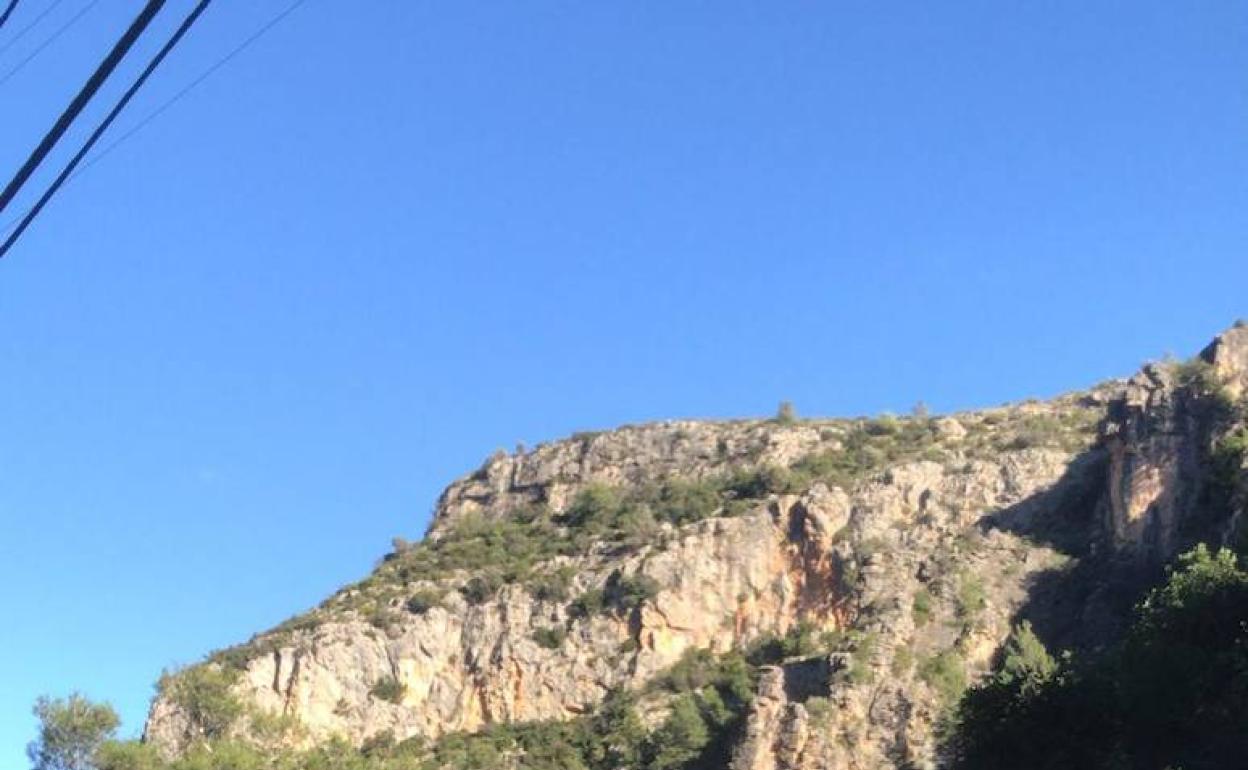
x: 1173, y: 693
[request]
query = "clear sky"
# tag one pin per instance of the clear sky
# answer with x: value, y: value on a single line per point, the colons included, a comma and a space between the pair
x: 251, y: 345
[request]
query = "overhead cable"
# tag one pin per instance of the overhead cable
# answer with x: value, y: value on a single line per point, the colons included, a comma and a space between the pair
x: 4, y: 17
x: 21, y: 65
x: 171, y: 101
x: 89, y: 89
x: 33, y: 23
x: 151, y: 67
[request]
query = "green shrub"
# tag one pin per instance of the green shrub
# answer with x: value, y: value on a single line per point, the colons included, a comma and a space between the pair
x: 1025, y: 662
x: 204, y: 694
x: 238, y: 656
x: 820, y: 709
x: 869, y: 548
x: 758, y: 483
x: 1196, y: 374
x: 627, y: 592
x: 223, y: 755
x: 621, y: 594
x: 600, y: 512
x: 553, y: 586
x: 945, y: 674
x: 378, y: 744
x: 128, y: 755
x: 681, y: 738
x: 862, y: 645
x: 711, y: 699
x: 550, y: 637
x: 1034, y: 430
x: 903, y: 661
x: 1172, y: 693
x: 972, y: 597
x: 1226, y: 464
x: 921, y: 607
x: 71, y: 732
x: 884, y: 425
x: 860, y: 671
x: 866, y: 449
x: 588, y: 604
x: 804, y: 640
x: 388, y: 688
x: 595, y: 509
x: 684, y: 502
x: 506, y: 549
x: 481, y: 588
x: 801, y: 641
x: 421, y: 602
x: 697, y: 668
x: 401, y: 545
x: 381, y: 618
x: 786, y: 414
x: 270, y: 728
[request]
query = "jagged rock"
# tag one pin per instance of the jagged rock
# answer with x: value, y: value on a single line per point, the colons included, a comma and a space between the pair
x: 1228, y: 354
x: 553, y: 473
x: 1158, y: 436
x: 950, y: 429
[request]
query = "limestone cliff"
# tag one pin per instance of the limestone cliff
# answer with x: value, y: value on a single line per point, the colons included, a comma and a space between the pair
x: 904, y: 547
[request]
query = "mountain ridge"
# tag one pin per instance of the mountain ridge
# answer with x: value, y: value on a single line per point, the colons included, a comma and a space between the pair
x: 888, y: 559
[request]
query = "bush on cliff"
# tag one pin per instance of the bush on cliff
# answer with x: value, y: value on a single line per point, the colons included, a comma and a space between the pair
x: 1173, y: 692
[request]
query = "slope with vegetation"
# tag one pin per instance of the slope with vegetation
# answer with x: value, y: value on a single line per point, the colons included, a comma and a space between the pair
x: 789, y: 593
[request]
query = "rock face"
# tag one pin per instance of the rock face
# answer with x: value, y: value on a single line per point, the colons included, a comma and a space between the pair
x: 1158, y: 436
x: 911, y: 546
x: 1228, y: 355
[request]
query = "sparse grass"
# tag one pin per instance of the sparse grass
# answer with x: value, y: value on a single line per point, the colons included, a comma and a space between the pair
x: 944, y: 674
x: 903, y: 661
x: 870, y: 548
x: 921, y: 607
x: 972, y: 597
x: 819, y: 708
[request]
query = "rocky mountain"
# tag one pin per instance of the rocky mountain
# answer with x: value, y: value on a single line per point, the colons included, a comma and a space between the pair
x: 789, y: 594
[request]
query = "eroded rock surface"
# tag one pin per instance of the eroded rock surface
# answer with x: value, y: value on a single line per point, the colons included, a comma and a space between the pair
x: 924, y: 556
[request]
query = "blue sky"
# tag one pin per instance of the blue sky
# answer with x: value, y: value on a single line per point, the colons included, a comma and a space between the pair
x: 250, y: 346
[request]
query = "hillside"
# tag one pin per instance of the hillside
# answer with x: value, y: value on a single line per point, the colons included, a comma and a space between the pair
x: 753, y: 594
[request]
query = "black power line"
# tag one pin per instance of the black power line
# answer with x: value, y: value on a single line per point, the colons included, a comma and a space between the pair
x: 47, y: 42
x: 166, y: 105
x: 75, y: 107
x: 188, y: 88
x: 33, y: 23
x: 7, y: 12
x: 173, y: 41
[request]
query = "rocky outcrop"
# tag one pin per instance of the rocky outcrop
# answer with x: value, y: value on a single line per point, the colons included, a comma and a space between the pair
x: 826, y: 557
x: 1228, y: 357
x: 909, y: 546
x: 1151, y: 457
x: 1159, y: 435
x: 553, y: 473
